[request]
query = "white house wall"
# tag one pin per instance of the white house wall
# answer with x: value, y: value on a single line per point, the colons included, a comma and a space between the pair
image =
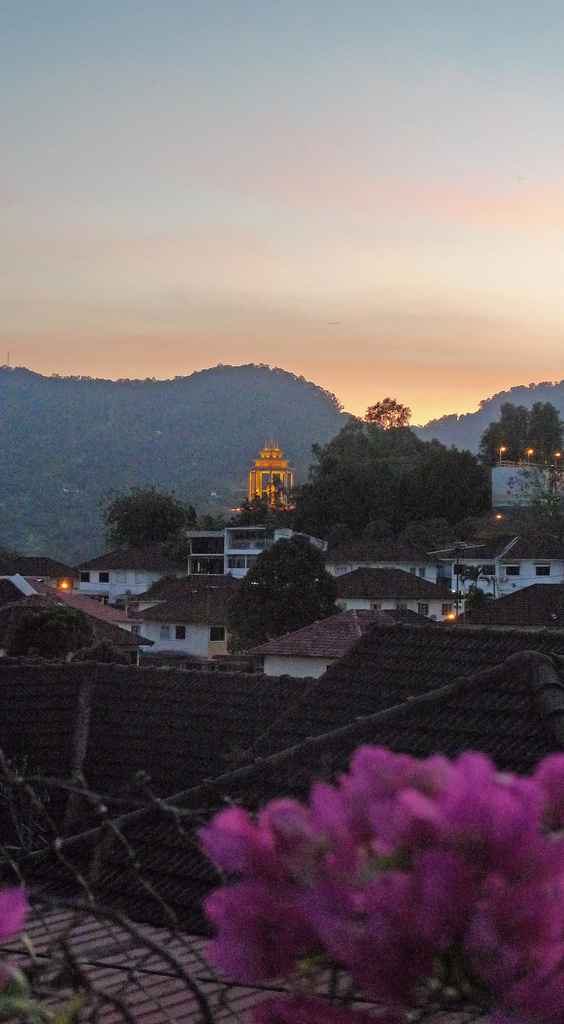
x: 196, y: 641
x: 121, y: 582
x: 425, y: 570
x: 437, y: 609
x: 298, y: 668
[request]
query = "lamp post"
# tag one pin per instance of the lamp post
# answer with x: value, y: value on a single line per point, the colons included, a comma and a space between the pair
x: 502, y: 449
x: 530, y: 451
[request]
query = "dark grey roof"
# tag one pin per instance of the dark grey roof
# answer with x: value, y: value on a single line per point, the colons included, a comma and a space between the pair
x: 387, y: 584
x: 150, y: 559
x: 35, y: 565
x: 214, y: 739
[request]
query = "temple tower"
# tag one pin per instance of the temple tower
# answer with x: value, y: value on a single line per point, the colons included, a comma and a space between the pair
x: 271, y: 477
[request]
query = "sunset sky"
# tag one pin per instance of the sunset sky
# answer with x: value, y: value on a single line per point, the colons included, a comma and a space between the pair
x: 366, y: 192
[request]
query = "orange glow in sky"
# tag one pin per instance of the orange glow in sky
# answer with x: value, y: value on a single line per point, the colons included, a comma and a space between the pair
x: 366, y: 194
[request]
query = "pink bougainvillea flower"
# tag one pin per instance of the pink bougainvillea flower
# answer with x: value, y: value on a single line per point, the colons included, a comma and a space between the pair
x: 13, y: 911
x: 259, y: 932
x: 236, y: 845
x: 550, y: 777
x: 305, y: 1010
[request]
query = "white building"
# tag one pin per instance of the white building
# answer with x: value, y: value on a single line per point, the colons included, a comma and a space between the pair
x: 121, y: 574
x: 187, y: 616
x: 394, y: 590
x: 309, y: 652
x: 235, y: 549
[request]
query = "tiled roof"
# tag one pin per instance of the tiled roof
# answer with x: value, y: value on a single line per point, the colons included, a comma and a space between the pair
x: 152, y: 559
x: 535, y: 546
x: 387, y: 584
x: 35, y: 565
x: 216, y: 739
x: 378, y: 551
x: 327, y: 638
x: 83, y: 603
x: 540, y: 604
x: 103, y: 629
x: 190, y: 599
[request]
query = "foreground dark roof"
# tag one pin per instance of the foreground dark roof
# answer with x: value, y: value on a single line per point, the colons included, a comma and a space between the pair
x: 326, y: 638
x: 215, y: 740
x: 150, y: 559
x: 387, y: 584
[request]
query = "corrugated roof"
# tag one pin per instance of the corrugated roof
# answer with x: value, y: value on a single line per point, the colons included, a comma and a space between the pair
x: 327, y: 638
x: 387, y: 584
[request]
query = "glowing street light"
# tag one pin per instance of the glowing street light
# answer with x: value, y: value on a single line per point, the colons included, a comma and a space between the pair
x: 502, y: 449
x: 530, y: 451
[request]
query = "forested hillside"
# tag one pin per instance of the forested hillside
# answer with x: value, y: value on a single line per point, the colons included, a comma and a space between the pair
x: 465, y: 431
x: 69, y: 441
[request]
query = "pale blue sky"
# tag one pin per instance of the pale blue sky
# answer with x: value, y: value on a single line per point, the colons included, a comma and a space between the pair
x: 188, y: 182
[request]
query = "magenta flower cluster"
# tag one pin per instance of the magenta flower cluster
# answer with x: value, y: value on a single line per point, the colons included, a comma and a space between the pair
x: 418, y: 879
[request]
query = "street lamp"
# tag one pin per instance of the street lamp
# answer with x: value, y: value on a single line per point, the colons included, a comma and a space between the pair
x: 502, y: 449
x: 530, y: 451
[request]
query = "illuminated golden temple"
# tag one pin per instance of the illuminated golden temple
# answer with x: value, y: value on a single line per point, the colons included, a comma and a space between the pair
x: 271, y: 477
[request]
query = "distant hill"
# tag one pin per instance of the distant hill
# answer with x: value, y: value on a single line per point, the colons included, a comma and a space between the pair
x: 465, y: 431
x: 68, y: 441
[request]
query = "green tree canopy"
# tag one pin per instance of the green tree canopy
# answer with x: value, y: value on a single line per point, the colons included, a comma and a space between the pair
x: 388, y: 414
x: 49, y: 633
x: 102, y: 651
x: 366, y: 474
x: 288, y: 587
x: 519, y: 430
x: 145, y: 516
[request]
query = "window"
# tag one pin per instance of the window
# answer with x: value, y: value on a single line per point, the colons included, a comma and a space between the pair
x: 136, y: 629
x: 165, y: 632
x: 401, y: 606
x: 512, y: 570
x: 140, y: 576
x: 85, y: 577
x: 458, y: 568
x: 413, y: 570
x: 542, y: 570
x: 423, y: 609
x: 422, y: 572
x: 104, y: 577
x: 180, y: 632
x: 488, y: 570
x: 217, y: 634
x: 121, y: 577
x: 236, y: 562
x: 446, y: 609
x: 376, y: 606
x: 251, y: 559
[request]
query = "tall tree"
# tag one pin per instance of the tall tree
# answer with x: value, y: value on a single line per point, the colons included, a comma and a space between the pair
x: 545, y: 431
x: 365, y: 474
x: 388, y: 413
x: 288, y: 587
x: 519, y: 429
x: 144, y: 516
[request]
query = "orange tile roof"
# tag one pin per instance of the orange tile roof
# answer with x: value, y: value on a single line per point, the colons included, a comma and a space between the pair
x: 326, y: 638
